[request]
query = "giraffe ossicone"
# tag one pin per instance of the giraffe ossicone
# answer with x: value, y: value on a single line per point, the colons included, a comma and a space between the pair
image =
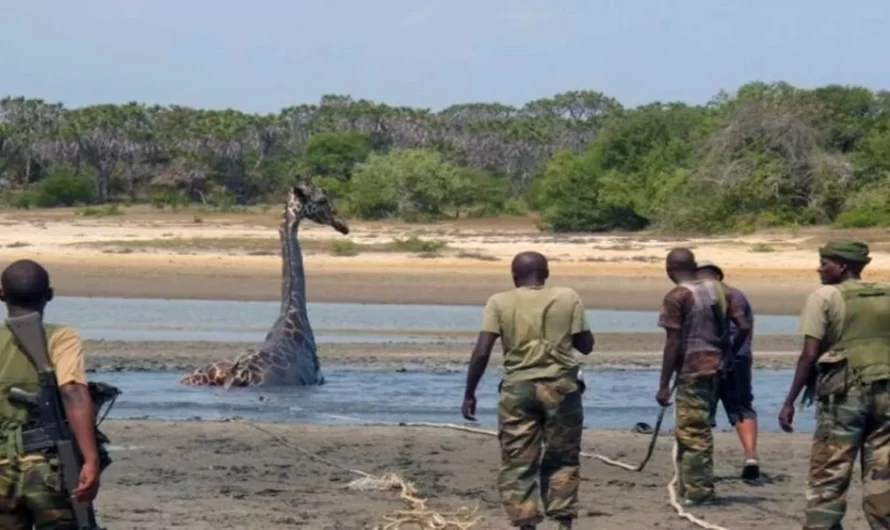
x: 288, y: 355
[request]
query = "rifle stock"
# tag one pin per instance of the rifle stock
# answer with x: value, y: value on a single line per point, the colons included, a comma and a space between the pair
x: 28, y: 330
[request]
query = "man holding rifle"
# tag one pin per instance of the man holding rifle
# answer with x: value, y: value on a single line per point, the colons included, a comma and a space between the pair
x: 38, y: 488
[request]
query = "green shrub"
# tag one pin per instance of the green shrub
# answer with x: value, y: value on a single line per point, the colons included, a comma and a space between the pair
x: 416, y: 244
x: 62, y: 189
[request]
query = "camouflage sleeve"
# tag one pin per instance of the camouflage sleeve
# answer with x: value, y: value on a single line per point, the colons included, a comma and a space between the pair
x: 491, y: 320
x: 673, y: 308
x: 814, y: 315
x: 579, y: 319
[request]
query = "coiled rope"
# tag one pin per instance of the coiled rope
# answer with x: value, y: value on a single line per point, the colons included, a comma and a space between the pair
x: 465, y: 519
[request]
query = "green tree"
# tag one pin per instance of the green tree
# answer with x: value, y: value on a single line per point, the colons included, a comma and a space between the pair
x: 411, y: 184
x: 335, y: 154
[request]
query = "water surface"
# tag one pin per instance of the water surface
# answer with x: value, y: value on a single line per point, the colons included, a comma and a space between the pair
x: 233, y: 321
x: 614, y: 399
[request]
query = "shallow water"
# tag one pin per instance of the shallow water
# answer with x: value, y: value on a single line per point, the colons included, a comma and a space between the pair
x: 614, y: 399
x: 232, y: 321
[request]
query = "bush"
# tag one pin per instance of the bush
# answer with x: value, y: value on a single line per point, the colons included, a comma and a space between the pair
x: 61, y: 189
x: 416, y: 244
x: 867, y: 208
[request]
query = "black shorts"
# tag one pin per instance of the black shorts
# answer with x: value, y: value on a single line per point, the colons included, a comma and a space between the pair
x: 735, y: 394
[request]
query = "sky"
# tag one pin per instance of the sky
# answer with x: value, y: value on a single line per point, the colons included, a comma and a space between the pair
x: 262, y: 55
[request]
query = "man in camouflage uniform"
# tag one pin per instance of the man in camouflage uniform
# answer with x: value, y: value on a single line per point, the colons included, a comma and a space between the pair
x: 696, y: 315
x: 845, y: 361
x: 540, y: 413
x: 32, y: 492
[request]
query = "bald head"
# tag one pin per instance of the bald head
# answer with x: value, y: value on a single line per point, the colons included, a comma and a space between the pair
x: 529, y: 267
x: 25, y: 283
x: 680, y: 264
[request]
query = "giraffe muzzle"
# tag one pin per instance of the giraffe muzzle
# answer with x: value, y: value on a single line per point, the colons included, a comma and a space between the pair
x: 340, y: 225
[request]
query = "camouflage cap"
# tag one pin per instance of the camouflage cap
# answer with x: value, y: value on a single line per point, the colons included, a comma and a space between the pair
x: 846, y: 250
x: 706, y: 264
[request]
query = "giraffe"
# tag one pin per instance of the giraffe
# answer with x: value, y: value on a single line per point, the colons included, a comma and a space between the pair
x: 288, y: 355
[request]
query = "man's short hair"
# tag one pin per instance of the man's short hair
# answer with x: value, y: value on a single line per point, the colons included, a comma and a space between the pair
x: 25, y: 282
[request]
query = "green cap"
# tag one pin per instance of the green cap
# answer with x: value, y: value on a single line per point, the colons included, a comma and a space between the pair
x: 846, y: 250
x: 705, y: 264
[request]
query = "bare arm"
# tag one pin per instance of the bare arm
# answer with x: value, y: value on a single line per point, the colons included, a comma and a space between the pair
x: 805, y: 365
x: 744, y: 326
x: 79, y: 411
x: 814, y: 323
x: 671, y: 319
x: 67, y: 354
x: 479, y: 360
x: 672, y: 357
x: 582, y: 337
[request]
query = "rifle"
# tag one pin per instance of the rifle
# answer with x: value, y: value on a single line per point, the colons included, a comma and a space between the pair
x: 53, y: 432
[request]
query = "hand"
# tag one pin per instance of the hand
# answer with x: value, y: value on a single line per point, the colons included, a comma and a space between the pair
x: 663, y: 397
x: 88, y: 485
x: 469, y: 408
x: 786, y: 418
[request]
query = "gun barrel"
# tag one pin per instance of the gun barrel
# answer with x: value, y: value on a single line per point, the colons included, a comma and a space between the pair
x: 24, y: 397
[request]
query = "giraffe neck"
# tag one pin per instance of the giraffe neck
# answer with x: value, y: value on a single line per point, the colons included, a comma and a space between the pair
x: 293, y: 290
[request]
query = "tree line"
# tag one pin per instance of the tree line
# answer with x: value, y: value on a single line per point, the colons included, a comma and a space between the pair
x: 770, y: 154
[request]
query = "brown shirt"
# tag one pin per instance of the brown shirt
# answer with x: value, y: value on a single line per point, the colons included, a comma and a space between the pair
x: 676, y: 314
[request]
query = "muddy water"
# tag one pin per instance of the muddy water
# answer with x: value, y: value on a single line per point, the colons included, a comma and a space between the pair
x: 614, y: 399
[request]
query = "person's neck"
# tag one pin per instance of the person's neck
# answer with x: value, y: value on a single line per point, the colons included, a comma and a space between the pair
x: 850, y: 277
x: 685, y: 277
x: 530, y: 285
x: 17, y: 311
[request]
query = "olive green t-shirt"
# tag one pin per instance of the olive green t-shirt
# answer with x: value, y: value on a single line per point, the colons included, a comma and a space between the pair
x: 536, y: 325
x: 822, y: 315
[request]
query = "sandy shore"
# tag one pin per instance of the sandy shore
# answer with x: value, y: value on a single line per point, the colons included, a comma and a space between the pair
x: 613, y: 350
x: 148, y: 253
x: 202, y: 475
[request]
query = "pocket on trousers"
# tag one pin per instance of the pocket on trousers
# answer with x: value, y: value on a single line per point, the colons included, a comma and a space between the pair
x: 51, y: 475
x: 568, y: 385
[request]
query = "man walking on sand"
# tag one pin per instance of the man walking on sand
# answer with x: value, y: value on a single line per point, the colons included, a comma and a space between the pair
x: 540, y: 414
x: 694, y: 315
x: 735, y: 391
x: 845, y: 365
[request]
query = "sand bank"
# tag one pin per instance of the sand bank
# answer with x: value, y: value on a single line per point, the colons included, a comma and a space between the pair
x: 203, y: 475
x: 145, y: 254
x: 613, y: 350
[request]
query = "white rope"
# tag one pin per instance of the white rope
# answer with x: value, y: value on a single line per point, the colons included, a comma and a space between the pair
x: 671, y: 487
x: 672, y: 490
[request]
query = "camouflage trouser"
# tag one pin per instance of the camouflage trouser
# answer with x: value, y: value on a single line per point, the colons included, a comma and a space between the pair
x: 859, y: 420
x: 539, y: 427
x: 696, y: 395
x: 32, y: 495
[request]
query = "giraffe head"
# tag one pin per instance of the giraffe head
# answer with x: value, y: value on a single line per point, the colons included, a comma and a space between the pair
x: 307, y: 201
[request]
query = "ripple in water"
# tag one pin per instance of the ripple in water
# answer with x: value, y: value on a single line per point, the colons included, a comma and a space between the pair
x: 614, y: 399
